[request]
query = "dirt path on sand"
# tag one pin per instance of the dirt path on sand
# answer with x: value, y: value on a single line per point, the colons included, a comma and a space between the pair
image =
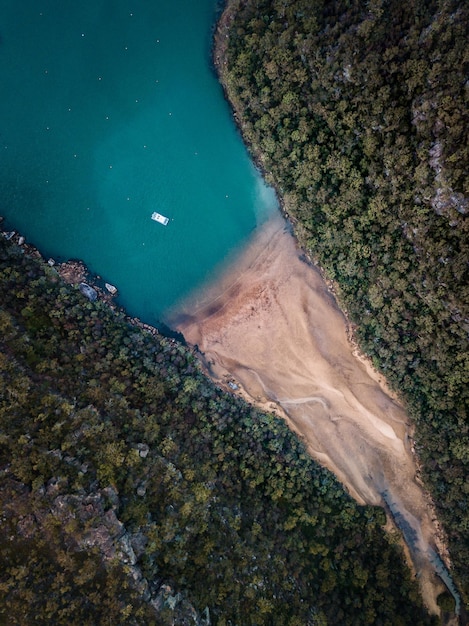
x: 271, y: 325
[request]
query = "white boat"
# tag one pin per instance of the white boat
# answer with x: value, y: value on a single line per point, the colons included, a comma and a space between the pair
x: 159, y: 218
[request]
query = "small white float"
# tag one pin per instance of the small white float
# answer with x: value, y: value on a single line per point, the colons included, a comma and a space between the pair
x: 159, y: 218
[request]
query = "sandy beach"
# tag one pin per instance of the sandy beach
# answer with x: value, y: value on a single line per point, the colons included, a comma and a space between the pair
x: 271, y: 326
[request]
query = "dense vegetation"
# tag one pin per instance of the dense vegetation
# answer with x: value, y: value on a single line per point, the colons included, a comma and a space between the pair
x: 133, y: 491
x: 358, y: 112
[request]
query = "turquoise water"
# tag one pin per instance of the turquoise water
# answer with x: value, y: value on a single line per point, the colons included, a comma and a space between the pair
x: 109, y: 110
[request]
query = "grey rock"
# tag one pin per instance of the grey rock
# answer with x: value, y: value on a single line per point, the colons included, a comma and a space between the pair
x: 128, y: 554
x: 139, y: 543
x: 111, y: 494
x: 143, y: 450
x: 112, y: 290
x: 88, y: 292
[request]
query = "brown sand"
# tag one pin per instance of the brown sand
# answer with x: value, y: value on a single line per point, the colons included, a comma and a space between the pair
x: 271, y: 326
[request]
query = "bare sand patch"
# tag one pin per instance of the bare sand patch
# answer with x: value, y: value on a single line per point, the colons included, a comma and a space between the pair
x: 271, y: 325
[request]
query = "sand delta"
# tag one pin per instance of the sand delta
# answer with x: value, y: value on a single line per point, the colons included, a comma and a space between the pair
x: 271, y: 325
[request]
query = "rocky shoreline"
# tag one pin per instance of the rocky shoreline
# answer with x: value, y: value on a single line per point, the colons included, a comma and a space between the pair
x: 74, y: 272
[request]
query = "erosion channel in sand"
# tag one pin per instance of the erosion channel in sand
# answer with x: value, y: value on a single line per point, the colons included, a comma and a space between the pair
x: 271, y: 326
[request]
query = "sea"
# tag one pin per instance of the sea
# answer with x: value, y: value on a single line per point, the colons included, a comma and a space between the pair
x: 110, y: 110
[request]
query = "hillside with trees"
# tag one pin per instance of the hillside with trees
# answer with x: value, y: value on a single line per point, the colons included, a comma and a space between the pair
x: 134, y: 491
x: 358, y: 113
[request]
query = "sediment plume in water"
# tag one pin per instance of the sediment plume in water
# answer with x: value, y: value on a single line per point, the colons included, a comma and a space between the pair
x: 271, y: 326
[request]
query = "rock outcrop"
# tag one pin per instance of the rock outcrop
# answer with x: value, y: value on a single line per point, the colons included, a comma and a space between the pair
x: 88, y: 292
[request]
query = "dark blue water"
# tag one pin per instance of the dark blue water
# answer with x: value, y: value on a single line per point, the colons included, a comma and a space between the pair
x: 109, y: 110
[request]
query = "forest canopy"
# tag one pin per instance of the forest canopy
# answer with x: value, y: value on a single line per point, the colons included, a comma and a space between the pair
x: 135, y: 491
x: 358, y: 113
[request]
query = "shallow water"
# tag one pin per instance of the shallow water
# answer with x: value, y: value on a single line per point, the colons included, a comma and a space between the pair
x: 109, y: 111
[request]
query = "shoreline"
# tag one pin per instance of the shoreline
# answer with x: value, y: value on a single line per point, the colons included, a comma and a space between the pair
x: 74, y: 272
x: 283, y: 211
x: 219, y: 60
